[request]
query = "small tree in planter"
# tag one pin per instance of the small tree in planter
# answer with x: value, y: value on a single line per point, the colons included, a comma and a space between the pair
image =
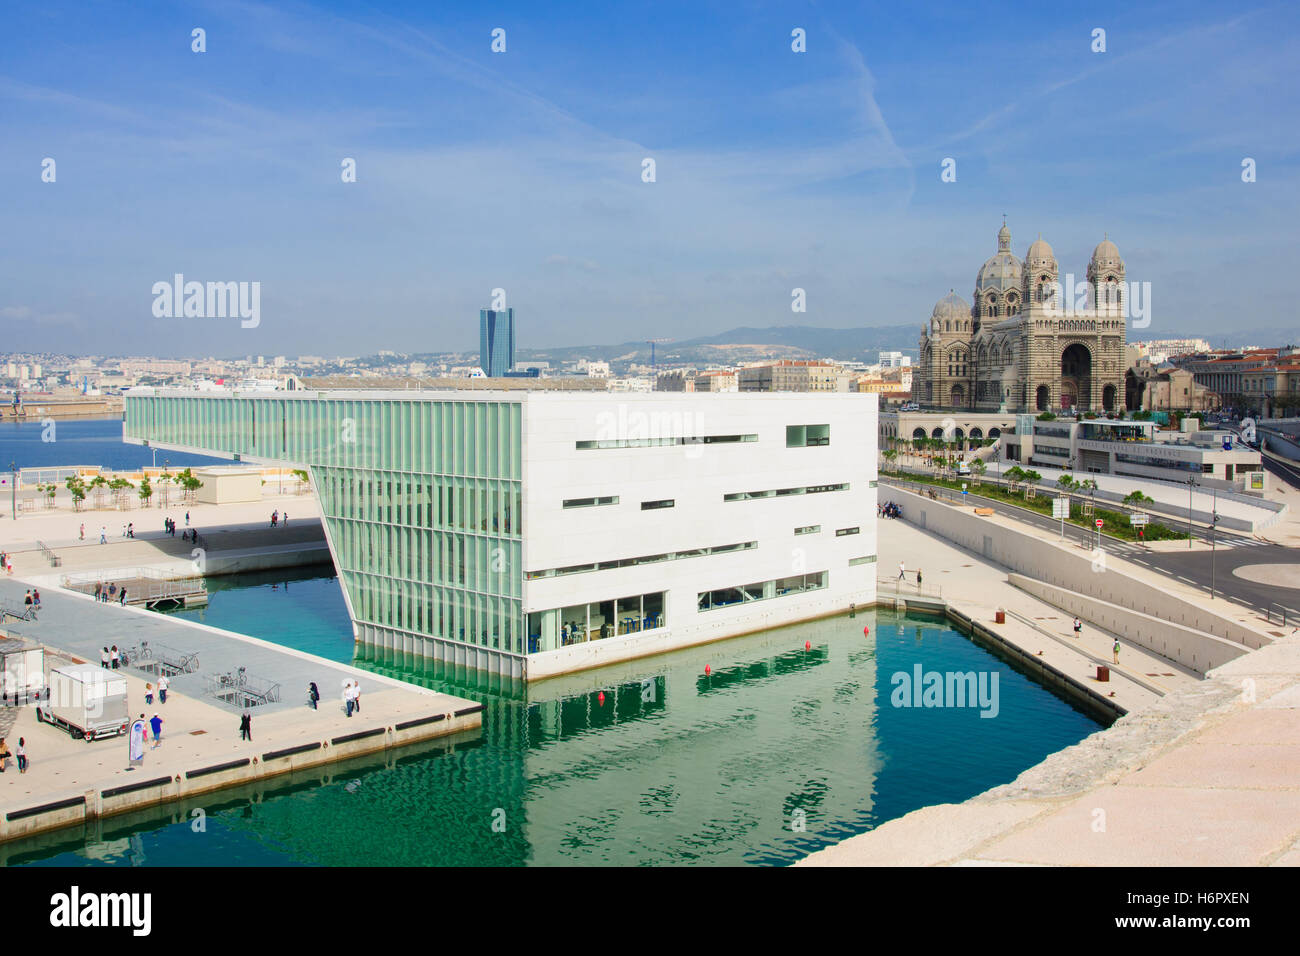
x: 1136, y: 498
x: 77, y: 488
x: 977, y: 469
x: 1066, y: 483
x: 1032, y: 478
x: 146, y: 492
x: 119, y: 488
x: 99, y: 485
x: 190, y: 484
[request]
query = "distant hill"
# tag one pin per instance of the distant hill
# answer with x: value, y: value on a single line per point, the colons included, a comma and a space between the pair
x: 748, y: 344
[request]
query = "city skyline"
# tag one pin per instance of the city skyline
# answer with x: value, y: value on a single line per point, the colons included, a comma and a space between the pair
x: 775, y: 170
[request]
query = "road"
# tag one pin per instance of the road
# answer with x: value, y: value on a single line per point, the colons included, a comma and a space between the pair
x: 1197, y: 568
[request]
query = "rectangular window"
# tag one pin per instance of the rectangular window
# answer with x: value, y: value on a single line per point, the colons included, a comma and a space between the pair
x: 807, y: 436
x: 656, y: 505
x: 867, y: 559
x: 809, y: 529
x: 784, y: 492
x: 761, y: 591
x: 656, y: 442
x: 590, y: 502
x: 844, y: 531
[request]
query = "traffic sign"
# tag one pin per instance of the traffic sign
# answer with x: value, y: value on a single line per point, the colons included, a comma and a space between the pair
x: 1138, y: 520
x: 1098, y: 522
x: 1059, y: 506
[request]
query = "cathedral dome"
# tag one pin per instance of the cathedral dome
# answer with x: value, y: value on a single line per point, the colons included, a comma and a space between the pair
x: 1106, y: 255
x: 951, y: 308
x: 1000, y: 273
x: 1039, y: 250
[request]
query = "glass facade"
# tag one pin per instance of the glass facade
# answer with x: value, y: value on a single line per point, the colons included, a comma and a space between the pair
x: 422, y: 499
x: 594, y: 621
x: 496, y: 337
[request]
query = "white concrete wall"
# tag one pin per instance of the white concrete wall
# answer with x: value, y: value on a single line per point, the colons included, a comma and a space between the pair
x: 696, y: 477
x: 1185, y: 645
x: 1067, y: 568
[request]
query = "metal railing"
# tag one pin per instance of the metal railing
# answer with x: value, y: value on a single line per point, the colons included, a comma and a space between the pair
x: 50, y: 556
x: 906, y: 589
x: 160, y: 659
x: 148, y: 585
x: 1281, y: 613
x: 242, y: 689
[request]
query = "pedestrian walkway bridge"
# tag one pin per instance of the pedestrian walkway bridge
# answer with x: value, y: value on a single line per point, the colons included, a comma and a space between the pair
x: 147, y: 587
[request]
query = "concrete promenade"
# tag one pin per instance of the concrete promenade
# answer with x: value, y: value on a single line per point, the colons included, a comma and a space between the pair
x: 200, y: 732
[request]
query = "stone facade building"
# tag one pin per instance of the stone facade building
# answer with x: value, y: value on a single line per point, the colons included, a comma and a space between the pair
x: 1023, y: 345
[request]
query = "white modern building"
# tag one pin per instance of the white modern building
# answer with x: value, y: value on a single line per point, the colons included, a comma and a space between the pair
x: 1215, y: 459
x: 532, y: 533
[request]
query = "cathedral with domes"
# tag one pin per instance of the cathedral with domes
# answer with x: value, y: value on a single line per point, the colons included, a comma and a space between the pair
x: 1019, y: 346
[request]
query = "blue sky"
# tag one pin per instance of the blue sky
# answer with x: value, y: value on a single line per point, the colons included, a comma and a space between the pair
x: 522, y: 170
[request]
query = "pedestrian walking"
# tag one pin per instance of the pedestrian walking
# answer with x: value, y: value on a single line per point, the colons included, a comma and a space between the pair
x: 27, y: 598
x: 284, y: 519
x: 163, y: 683
x: 1078, y: 628
x: 187, y: 519
x: 313, y: 695
x: 103, y: 535
x: 112, y: 591
x: 122, y: 600
x: 99, y: 587
x: 918, y: 579
x: 4, y: 754
x: 148, y: 694
x: 103, y: 659
x: 902, y: 571
x: 246, y: 726
x: 21, y: 753
x: 156, y: 722
x: 275, y: 515
x: 347, y: 696
x: 356, y: 696
x: 36, y: 598
x: 115, y: 657
x: 83, y: 531
x: 9, y: 564
x: 130, y: 530
x: 1115, y: 651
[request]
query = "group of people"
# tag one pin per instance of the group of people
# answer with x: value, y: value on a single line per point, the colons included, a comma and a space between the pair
x: 110, y: 592
x: 32, y: 599
x: 888, y: 510
x: 351, y: 696
x: 110, y: 660
x: 7, y: 562
x: 163, y: 684
x: 20, y: 753
x: 278, y: 518
x: 189, y: 534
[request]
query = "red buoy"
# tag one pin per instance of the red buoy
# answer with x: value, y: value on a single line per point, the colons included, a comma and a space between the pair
x: 707, y: 670
x: 866, y: 631
x: 601, y: 697
x: 807, y: 645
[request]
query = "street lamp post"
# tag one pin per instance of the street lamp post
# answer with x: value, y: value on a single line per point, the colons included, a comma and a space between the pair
x: 13, y: 488
x: 1191, y: 483
x: 1214, y: 521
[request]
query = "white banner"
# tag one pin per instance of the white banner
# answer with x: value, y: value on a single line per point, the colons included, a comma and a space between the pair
x: 136, y: 742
